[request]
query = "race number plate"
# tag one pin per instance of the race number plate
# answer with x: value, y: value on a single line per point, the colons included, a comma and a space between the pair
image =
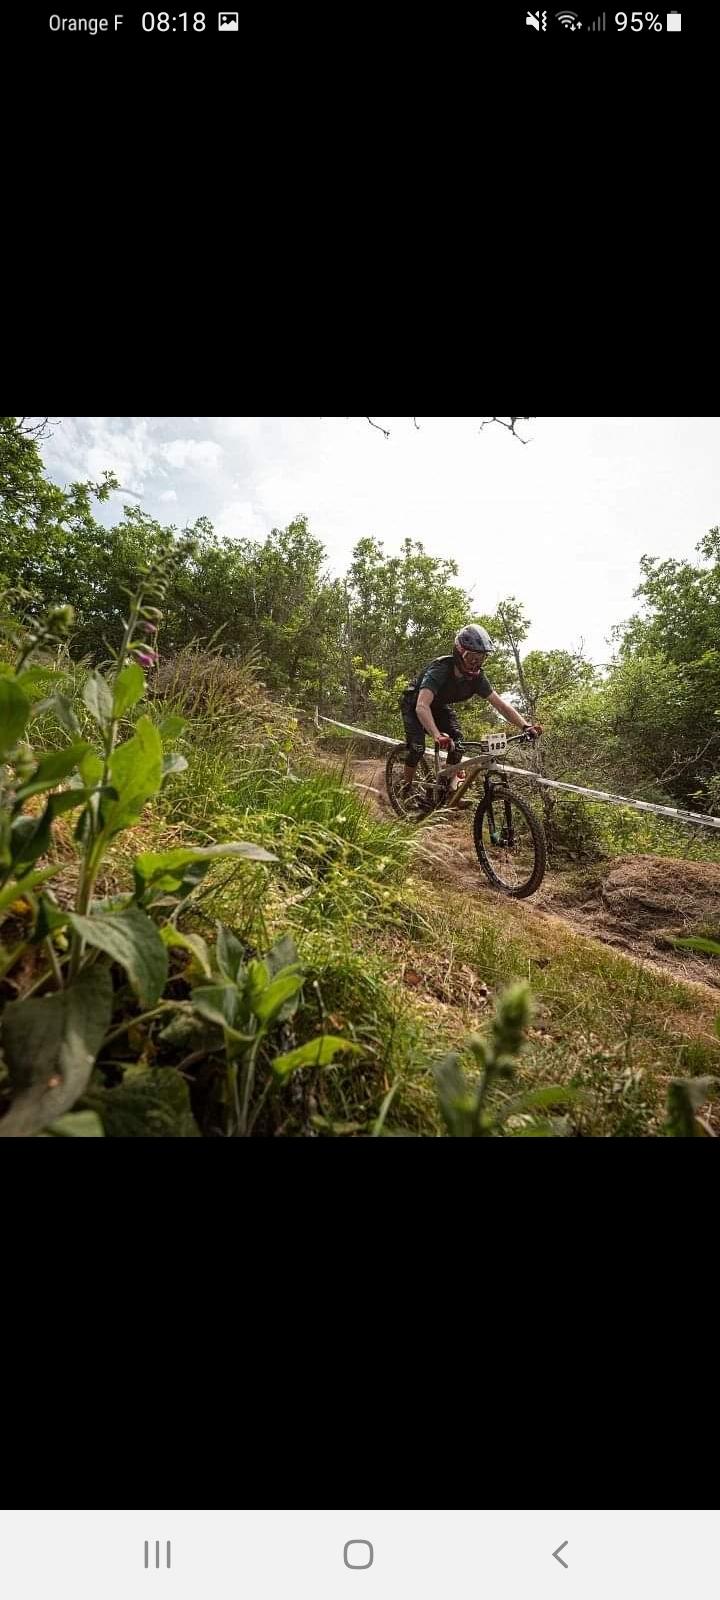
x: 494, y: 743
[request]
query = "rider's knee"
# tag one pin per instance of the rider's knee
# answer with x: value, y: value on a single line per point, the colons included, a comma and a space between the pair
x: 413, y: 754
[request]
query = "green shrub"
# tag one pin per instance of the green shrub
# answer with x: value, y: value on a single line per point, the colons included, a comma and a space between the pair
x: 94, y: 961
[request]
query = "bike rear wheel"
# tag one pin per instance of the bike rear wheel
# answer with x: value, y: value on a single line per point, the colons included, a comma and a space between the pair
x: 510, y: 843
x: 418, y: 802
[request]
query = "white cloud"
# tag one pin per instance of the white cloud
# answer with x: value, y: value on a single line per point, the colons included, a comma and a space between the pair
x: 167, y: 496
x: 200, y: 455
x: 88, y: 446
x: 239, y: 520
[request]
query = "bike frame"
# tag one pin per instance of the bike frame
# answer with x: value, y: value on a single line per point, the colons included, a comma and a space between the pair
x: 472, y: 767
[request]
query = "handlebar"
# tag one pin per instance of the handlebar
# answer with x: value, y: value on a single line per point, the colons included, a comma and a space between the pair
x: 526, y: 736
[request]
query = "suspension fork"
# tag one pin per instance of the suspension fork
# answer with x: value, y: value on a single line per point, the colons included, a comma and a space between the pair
x: 496, y: 833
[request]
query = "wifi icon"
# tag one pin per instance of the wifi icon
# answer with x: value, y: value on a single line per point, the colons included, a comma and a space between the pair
x: 569, y: 19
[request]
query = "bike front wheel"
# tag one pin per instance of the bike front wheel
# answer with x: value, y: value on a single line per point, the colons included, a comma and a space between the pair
x: 510, y: 843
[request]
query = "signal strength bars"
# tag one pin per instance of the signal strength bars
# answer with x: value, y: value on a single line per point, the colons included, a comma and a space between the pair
x: 599, y: 26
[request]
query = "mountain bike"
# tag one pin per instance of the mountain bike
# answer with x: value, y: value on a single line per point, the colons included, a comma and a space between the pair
x: 509, y: 838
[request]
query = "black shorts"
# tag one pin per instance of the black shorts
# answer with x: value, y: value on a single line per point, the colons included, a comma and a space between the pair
x: 416, y: 734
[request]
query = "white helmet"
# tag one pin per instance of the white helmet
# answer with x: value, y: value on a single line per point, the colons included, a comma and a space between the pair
x: 472, y: 640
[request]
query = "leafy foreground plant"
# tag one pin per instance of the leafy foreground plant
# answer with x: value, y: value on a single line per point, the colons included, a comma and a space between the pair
x: 480, y: 1109
x: 242, y: 1010
x: 50, y: 1043
x: 476, y: 1109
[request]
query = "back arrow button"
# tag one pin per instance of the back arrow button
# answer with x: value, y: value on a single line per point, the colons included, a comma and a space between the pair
x: 557, y: 1554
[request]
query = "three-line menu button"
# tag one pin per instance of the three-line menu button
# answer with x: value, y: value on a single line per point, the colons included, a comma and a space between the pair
x: 148, y: 1553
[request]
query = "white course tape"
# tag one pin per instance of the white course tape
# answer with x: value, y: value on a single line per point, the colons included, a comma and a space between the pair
x: 692, y: 819
x: 381, y: 737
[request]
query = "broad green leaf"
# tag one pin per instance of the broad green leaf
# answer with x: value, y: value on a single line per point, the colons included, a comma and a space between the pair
x: 128, y: 688
x: 229, y: 954
x: 50, y: 919
x: 52, y: 768
x: 14, y: 713
x: 283, y: 954
x: 166, y: 869
x: 284, y: 958
x: 56, y: 1037
x: 40, y: 707
x: 30, y: 836
x: 169, y: 727
x: 258, y: 979
x: 316, y: 1053
x: 133, y: 940
x: 185, y: 1031
x: 91, y: 769
x: 536, y: 1099
x: 83, y: 828
x: 267, y: 1005
x: 174, y: 939
x: 172, y: 763
x: 150, y: 1103
x: 97, y: 695
x: 29, y: 880
x: 111, y: 902
x: 708, y: 947
x: 220, y: 1003
x: 63, y: 710
x: 458, y: 1100
x: 135, y: 770
x: 40, y: 678
x: 77, y: 1124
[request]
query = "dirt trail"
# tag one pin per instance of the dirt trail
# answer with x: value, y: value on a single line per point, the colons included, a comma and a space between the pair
x: 636, y: 904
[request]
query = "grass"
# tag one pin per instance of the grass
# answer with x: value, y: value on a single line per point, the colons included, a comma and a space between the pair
x: 601, y: 1020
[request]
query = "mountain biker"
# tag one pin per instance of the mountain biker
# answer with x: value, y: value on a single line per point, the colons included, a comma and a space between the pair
x: 426, y: 704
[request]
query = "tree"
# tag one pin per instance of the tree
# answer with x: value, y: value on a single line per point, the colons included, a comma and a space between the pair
x: 683, y: 606
x: 400, y: 611
x: 41, y: 525
x: 670, y: 665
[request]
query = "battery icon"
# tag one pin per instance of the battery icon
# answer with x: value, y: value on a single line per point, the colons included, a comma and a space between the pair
x: 674, y: 19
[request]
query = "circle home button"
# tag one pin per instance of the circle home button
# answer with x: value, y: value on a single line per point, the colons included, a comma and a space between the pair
x: 354, y: 1552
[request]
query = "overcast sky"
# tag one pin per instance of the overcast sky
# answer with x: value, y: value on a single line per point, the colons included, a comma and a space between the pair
x: 561, y: 522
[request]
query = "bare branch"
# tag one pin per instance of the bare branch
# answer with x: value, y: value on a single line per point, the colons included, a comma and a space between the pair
x: 503, y: 424
x: 37, y: 430
x: 677, y: 766
x: 509, y: 425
